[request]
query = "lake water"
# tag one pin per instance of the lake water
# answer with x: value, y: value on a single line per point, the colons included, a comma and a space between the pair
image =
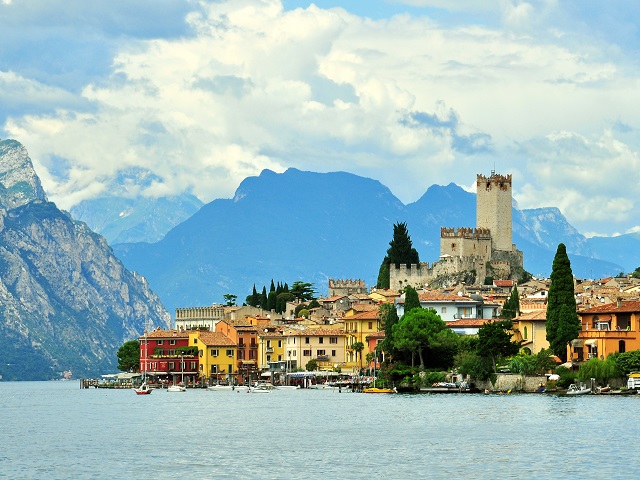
x: 55, y: 430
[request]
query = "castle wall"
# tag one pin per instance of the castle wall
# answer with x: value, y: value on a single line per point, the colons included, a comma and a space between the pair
x: 346, y: 287
x: 465, y: 242
x: 493, y: 209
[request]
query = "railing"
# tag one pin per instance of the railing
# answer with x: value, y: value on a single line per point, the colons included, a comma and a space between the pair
x: 269, y: 349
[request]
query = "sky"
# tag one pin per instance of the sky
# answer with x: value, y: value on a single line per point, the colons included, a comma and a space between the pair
x: 407, y: 92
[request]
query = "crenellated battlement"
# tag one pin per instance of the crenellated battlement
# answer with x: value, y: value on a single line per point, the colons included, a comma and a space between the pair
x: 503, y: 182
x: 464, y: 232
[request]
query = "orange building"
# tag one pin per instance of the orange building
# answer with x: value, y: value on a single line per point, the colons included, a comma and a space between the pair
x: 607, y: 329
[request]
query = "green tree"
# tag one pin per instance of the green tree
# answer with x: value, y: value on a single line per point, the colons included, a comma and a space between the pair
x: 563, y: 324
x: 511, y: 308
x: 494, y: 341
x: 358, y: 347
x: 302, y: 291
x: 129, y: 356
x: 388, y: 318
x: 411, y: 299
x: 263, y: 298
x: 601, y: 370
x: 303, y: 313
x: 384, y: 280
x: 253, y: 300
x: 229, y: 299
x: 312, y: 365
x: 416, y: 331
x: 281, y: 301
x: 400, y: 251
x: 627, y: 362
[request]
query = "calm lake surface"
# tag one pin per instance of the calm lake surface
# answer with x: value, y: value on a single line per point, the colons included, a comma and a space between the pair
x: 55, y: 430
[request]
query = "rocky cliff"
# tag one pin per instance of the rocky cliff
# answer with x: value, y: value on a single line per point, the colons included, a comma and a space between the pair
x: 66, y: 302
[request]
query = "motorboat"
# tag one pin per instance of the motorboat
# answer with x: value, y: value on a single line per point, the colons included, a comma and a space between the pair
x: 143, y: 389
x: 379, y: 390
x: 580, y: 389
x: 262, y: 387
x: 220, y: 388
x: 177, y: 388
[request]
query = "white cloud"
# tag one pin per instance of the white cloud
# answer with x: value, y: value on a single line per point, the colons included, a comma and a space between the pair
x: 405, y: 100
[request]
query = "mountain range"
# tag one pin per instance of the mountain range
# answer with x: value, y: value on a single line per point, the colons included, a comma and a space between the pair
x: 314, y: 226
x: 66, y: 302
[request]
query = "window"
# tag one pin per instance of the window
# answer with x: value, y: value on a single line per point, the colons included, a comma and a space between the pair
x: 279, y: 343
x: 268, y: 358
x: 333, y: 353
x: 370, y: 325
x: 214, y: 368
x: 525, y: 332
x: 306, y: 353
x: 230, y: 370
x: 229, y: 354
x: 172, y: 353
x: 306, y: 340
x: 201, y: 367
x: 195, y: 340
x: 192, y: 366
x: 443, y: 310
x: 172, y: 342
x: 294, y: 353
x: 279, y: 358
x: 252, y: 354
x: 321, y: 352
x: 160, y: 342
x: 268, y: 343
x: 240, y: 354
x: 172, y: 365
x: 214, y: 352
x: 333, y: 340
x: 320, y: 339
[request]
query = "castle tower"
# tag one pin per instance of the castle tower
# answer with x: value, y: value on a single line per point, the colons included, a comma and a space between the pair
x: 493, y: 209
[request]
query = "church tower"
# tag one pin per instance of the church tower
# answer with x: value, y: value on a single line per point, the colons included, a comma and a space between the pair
x: 493, y: 209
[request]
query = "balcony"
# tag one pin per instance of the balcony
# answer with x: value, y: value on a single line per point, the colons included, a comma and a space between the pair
x: 269, y: 349
x: 608, y: 334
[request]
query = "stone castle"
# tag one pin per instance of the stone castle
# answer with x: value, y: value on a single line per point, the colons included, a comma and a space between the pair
x: 486, y: 250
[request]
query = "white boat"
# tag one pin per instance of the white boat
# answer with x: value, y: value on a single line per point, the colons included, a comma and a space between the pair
x: 220, y: 388
x: 143, y: 389
x: 262, y: 387
x: 287, y: 387
x: 177, y: 388
x: 580, y: 389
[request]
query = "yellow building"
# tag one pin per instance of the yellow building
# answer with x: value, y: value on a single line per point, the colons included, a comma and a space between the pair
x: 384, y: 295
x: 217, y: 355
x: 530, y: 329
x: 357, y: 327
x: 271, y: 342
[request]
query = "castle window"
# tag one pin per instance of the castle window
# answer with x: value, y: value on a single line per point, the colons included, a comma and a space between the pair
x: 453, y: 247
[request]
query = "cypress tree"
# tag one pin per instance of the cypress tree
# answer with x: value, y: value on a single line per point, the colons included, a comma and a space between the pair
x: 411, y: 299
x: 400, y: 251
x: 263, y: 298
x: 563, y: 324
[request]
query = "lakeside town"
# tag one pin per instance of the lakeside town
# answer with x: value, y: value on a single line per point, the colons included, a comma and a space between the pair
x: 498, y: 330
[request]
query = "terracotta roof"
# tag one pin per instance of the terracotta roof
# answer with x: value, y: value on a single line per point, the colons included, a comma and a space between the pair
x: 467, y: 322
x: 366, y: 315
x: 628, y: 306
x: 436, y: 296
x: 211, y: 339
x: 503, y: 283
x: 540, y: 315
x: 376, y: 335
x: 167, y: 334
x: 316, y: 332
x: 335, y: 298
x: 387, y: 292
x: 364, y: 307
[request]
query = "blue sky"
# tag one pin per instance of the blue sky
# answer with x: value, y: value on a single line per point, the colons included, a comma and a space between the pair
x: 411, y: 93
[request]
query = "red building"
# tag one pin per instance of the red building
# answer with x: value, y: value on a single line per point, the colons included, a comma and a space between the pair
x: 167, y: 357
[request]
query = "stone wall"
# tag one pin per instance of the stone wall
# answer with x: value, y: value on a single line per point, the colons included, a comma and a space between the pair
x: 494, y: 209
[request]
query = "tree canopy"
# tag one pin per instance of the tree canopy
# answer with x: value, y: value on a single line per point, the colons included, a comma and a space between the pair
x: 129, y: 356
x: 563, y: 324
x: 511, y: 308
x: 302, y: 290
x: 494, y: 341
x: 417, y: 331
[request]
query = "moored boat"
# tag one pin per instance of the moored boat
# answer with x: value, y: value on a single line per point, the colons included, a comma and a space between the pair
x: 177, y: 388
x: 580, y: 389
x: 379, y: 390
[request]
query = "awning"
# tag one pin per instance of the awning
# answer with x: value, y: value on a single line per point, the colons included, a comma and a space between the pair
x: 592, y: 341
x: 578, y: 342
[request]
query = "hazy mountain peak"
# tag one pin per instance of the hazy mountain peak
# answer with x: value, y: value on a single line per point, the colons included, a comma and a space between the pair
x: 18, y: 179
